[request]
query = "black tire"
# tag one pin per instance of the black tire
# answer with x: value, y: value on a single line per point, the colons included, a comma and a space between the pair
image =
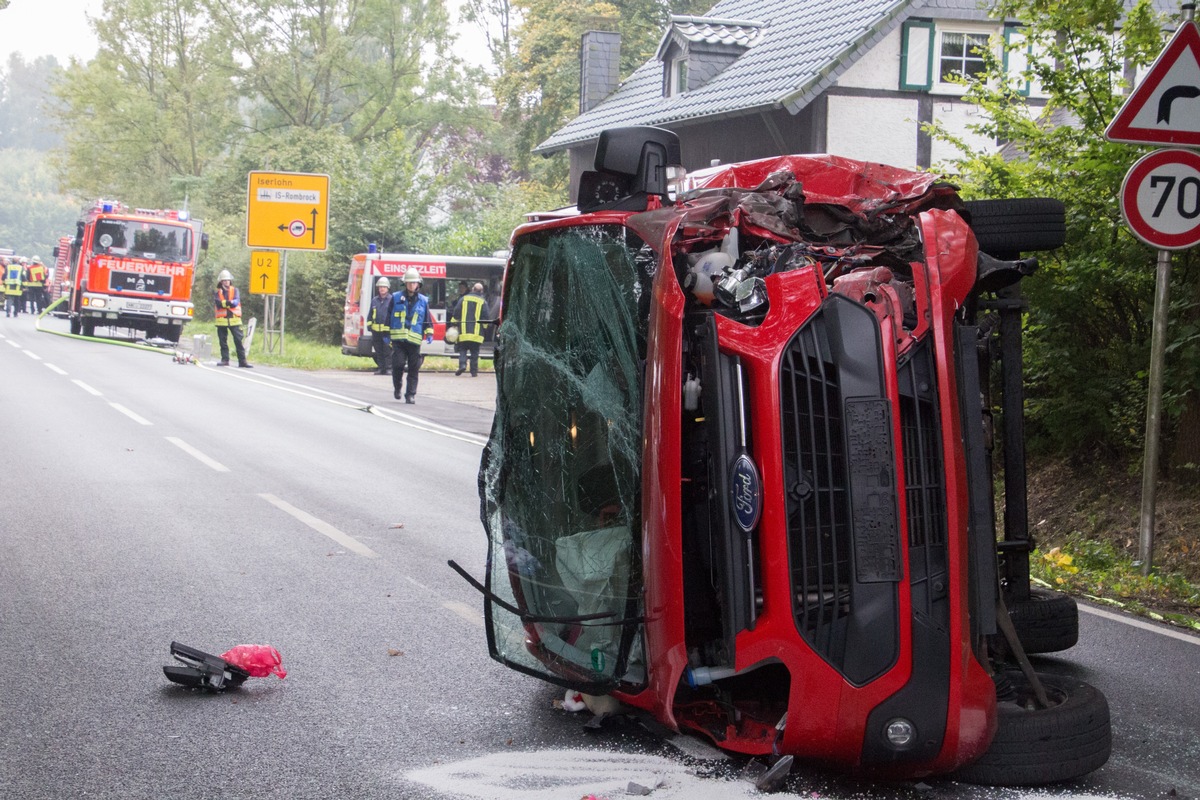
x: 1008, y: 227
x: 76, y: 326
x: 172, y: 332
x: 1044, y: 745
x: 1047, y: 622
x: 87, y: 327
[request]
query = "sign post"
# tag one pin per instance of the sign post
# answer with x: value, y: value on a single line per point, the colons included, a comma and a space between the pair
x: 1160, y: 200
x: 285, y: 211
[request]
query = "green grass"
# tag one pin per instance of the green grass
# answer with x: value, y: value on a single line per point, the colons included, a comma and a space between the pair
x: 1100, y: 572
x: 308, y: 355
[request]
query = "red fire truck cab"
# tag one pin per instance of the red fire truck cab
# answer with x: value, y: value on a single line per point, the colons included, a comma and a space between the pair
x: 132, y: 268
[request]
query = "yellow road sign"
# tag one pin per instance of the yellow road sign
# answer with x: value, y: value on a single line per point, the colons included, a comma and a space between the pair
x: 287, y: 210
x: 264, y: 272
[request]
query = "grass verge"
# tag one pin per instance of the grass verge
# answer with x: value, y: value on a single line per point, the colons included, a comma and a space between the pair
x: 307, y: 355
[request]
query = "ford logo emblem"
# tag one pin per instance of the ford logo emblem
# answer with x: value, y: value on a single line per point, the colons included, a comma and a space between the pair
x: 745, y: 492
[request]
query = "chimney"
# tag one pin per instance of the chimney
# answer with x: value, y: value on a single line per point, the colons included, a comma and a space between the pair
x: 599, y: 67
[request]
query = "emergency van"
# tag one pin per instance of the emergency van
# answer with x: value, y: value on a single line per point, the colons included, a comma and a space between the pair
x: 440, y: 279
x: 133, y: 268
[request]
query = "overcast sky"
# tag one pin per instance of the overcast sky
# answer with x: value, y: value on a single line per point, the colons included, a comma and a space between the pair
x: 59, y: 28
x: 48, y: 27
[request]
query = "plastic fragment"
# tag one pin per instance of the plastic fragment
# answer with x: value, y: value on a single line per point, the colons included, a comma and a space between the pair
x: 260, y: 660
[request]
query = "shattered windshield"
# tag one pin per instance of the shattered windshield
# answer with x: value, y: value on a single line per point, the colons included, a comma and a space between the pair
x: 151, y: 240
x: 561, y: 475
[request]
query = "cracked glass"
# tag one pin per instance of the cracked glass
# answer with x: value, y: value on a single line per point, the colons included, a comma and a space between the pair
x: 561, y: 474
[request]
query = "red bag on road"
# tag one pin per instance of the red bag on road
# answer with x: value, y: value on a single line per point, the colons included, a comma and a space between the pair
x: 260, y: 660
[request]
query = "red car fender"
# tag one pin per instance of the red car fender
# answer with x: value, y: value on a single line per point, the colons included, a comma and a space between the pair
x: 951, y: 255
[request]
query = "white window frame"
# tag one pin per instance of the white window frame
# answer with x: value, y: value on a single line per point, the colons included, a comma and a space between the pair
x: 955, y: 29
x: 677, y: 75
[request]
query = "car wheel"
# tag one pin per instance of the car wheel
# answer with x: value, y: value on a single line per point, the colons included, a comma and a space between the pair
x: 1004, y: 228
x: 87, y: 327
x: 1047, y: 622
x: 76, y: 326
x: 1034, y: 746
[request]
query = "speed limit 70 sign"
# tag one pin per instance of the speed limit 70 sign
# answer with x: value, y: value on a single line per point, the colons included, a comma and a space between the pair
x: 1161, y: 199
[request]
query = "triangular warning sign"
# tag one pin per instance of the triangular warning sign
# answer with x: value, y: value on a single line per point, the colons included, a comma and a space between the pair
x: 1164, y: 109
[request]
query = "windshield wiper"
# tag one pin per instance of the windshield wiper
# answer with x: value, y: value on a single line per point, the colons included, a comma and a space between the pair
x: 527, y: 617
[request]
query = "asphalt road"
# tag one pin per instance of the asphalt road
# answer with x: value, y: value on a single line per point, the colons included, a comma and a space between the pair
x: 144, y: 501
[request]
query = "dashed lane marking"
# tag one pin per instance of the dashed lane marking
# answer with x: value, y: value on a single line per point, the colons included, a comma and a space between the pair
x: 321, y: 526
x: 53, y: 368
x: 140, y: 420
x: 32, y: 355
x: 86, y: 388
x: 196, y: 454
x: 471, y: 615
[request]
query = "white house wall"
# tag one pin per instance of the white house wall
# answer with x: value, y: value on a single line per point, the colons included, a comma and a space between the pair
x: 878, y: 69
x: 956, y: 116
x: 882, y: 129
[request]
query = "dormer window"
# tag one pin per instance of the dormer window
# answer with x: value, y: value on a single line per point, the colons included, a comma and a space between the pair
x: 696, y: 49
x: 678, y: 83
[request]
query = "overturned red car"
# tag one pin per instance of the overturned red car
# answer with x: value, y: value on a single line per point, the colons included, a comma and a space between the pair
x: 740, y: 474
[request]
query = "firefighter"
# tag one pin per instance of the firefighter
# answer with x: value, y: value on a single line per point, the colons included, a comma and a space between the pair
x: 35, y: 287
x: 380, y: 325
x: 12, y: 287
x: 411, y: 323
x: 468, y: 316
x: 228, y: 314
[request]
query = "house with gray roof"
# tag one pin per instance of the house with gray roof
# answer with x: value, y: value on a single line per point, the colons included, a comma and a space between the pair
x: 756, y: 78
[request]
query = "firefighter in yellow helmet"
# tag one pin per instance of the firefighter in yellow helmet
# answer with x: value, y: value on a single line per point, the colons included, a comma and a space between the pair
x: 228, y: 316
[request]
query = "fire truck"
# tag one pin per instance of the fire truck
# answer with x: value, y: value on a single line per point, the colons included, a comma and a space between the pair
x: 58, y: 284
x: 132, y: 268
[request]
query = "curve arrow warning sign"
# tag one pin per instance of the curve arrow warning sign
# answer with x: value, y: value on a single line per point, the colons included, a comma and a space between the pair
x: 1164, y: 109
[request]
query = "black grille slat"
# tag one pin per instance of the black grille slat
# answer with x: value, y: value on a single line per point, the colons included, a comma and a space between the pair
x: 924, y: 478
x: 812, y: 399
x: 843, y: 524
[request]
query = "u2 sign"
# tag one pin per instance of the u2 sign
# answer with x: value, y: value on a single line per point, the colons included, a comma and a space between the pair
x: 1160, y: 199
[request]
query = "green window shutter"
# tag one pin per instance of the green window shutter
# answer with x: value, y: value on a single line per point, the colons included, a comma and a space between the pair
x: 916, y: 55
x: 1017, y: 53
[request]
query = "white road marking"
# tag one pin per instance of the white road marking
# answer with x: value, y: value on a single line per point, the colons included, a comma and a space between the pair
x: 86, y: 388
x: 1146, y: 626
x: 314, y: 393
x: 32, y: 355
x: 557, y: 774
x: 133, y: 416
x: 13, y: 343
x: 53, y: 368
x: 471, y: 615
x: 321, y: 526
x: 417, y: 582
x: 196, y: 454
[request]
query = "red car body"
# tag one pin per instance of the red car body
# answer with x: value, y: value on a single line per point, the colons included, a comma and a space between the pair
x: 756, y: 510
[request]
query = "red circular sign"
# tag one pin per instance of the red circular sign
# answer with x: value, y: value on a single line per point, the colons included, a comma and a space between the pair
x: 1160, y: 199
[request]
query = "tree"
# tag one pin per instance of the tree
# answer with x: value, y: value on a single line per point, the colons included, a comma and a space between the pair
x: 358, y: 65
x: 24, y: 98
x: 154, y: 109
x: 1090, y: 302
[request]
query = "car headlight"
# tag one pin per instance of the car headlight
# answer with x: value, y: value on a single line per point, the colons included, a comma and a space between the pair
x: 179, y: 311
x: 96, y: 302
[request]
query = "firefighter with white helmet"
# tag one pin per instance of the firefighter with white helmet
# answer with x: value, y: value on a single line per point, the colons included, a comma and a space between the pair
x: 35, y: 285
x: 227, y: 314
x: 379, y: 323
x: 411, y: 323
